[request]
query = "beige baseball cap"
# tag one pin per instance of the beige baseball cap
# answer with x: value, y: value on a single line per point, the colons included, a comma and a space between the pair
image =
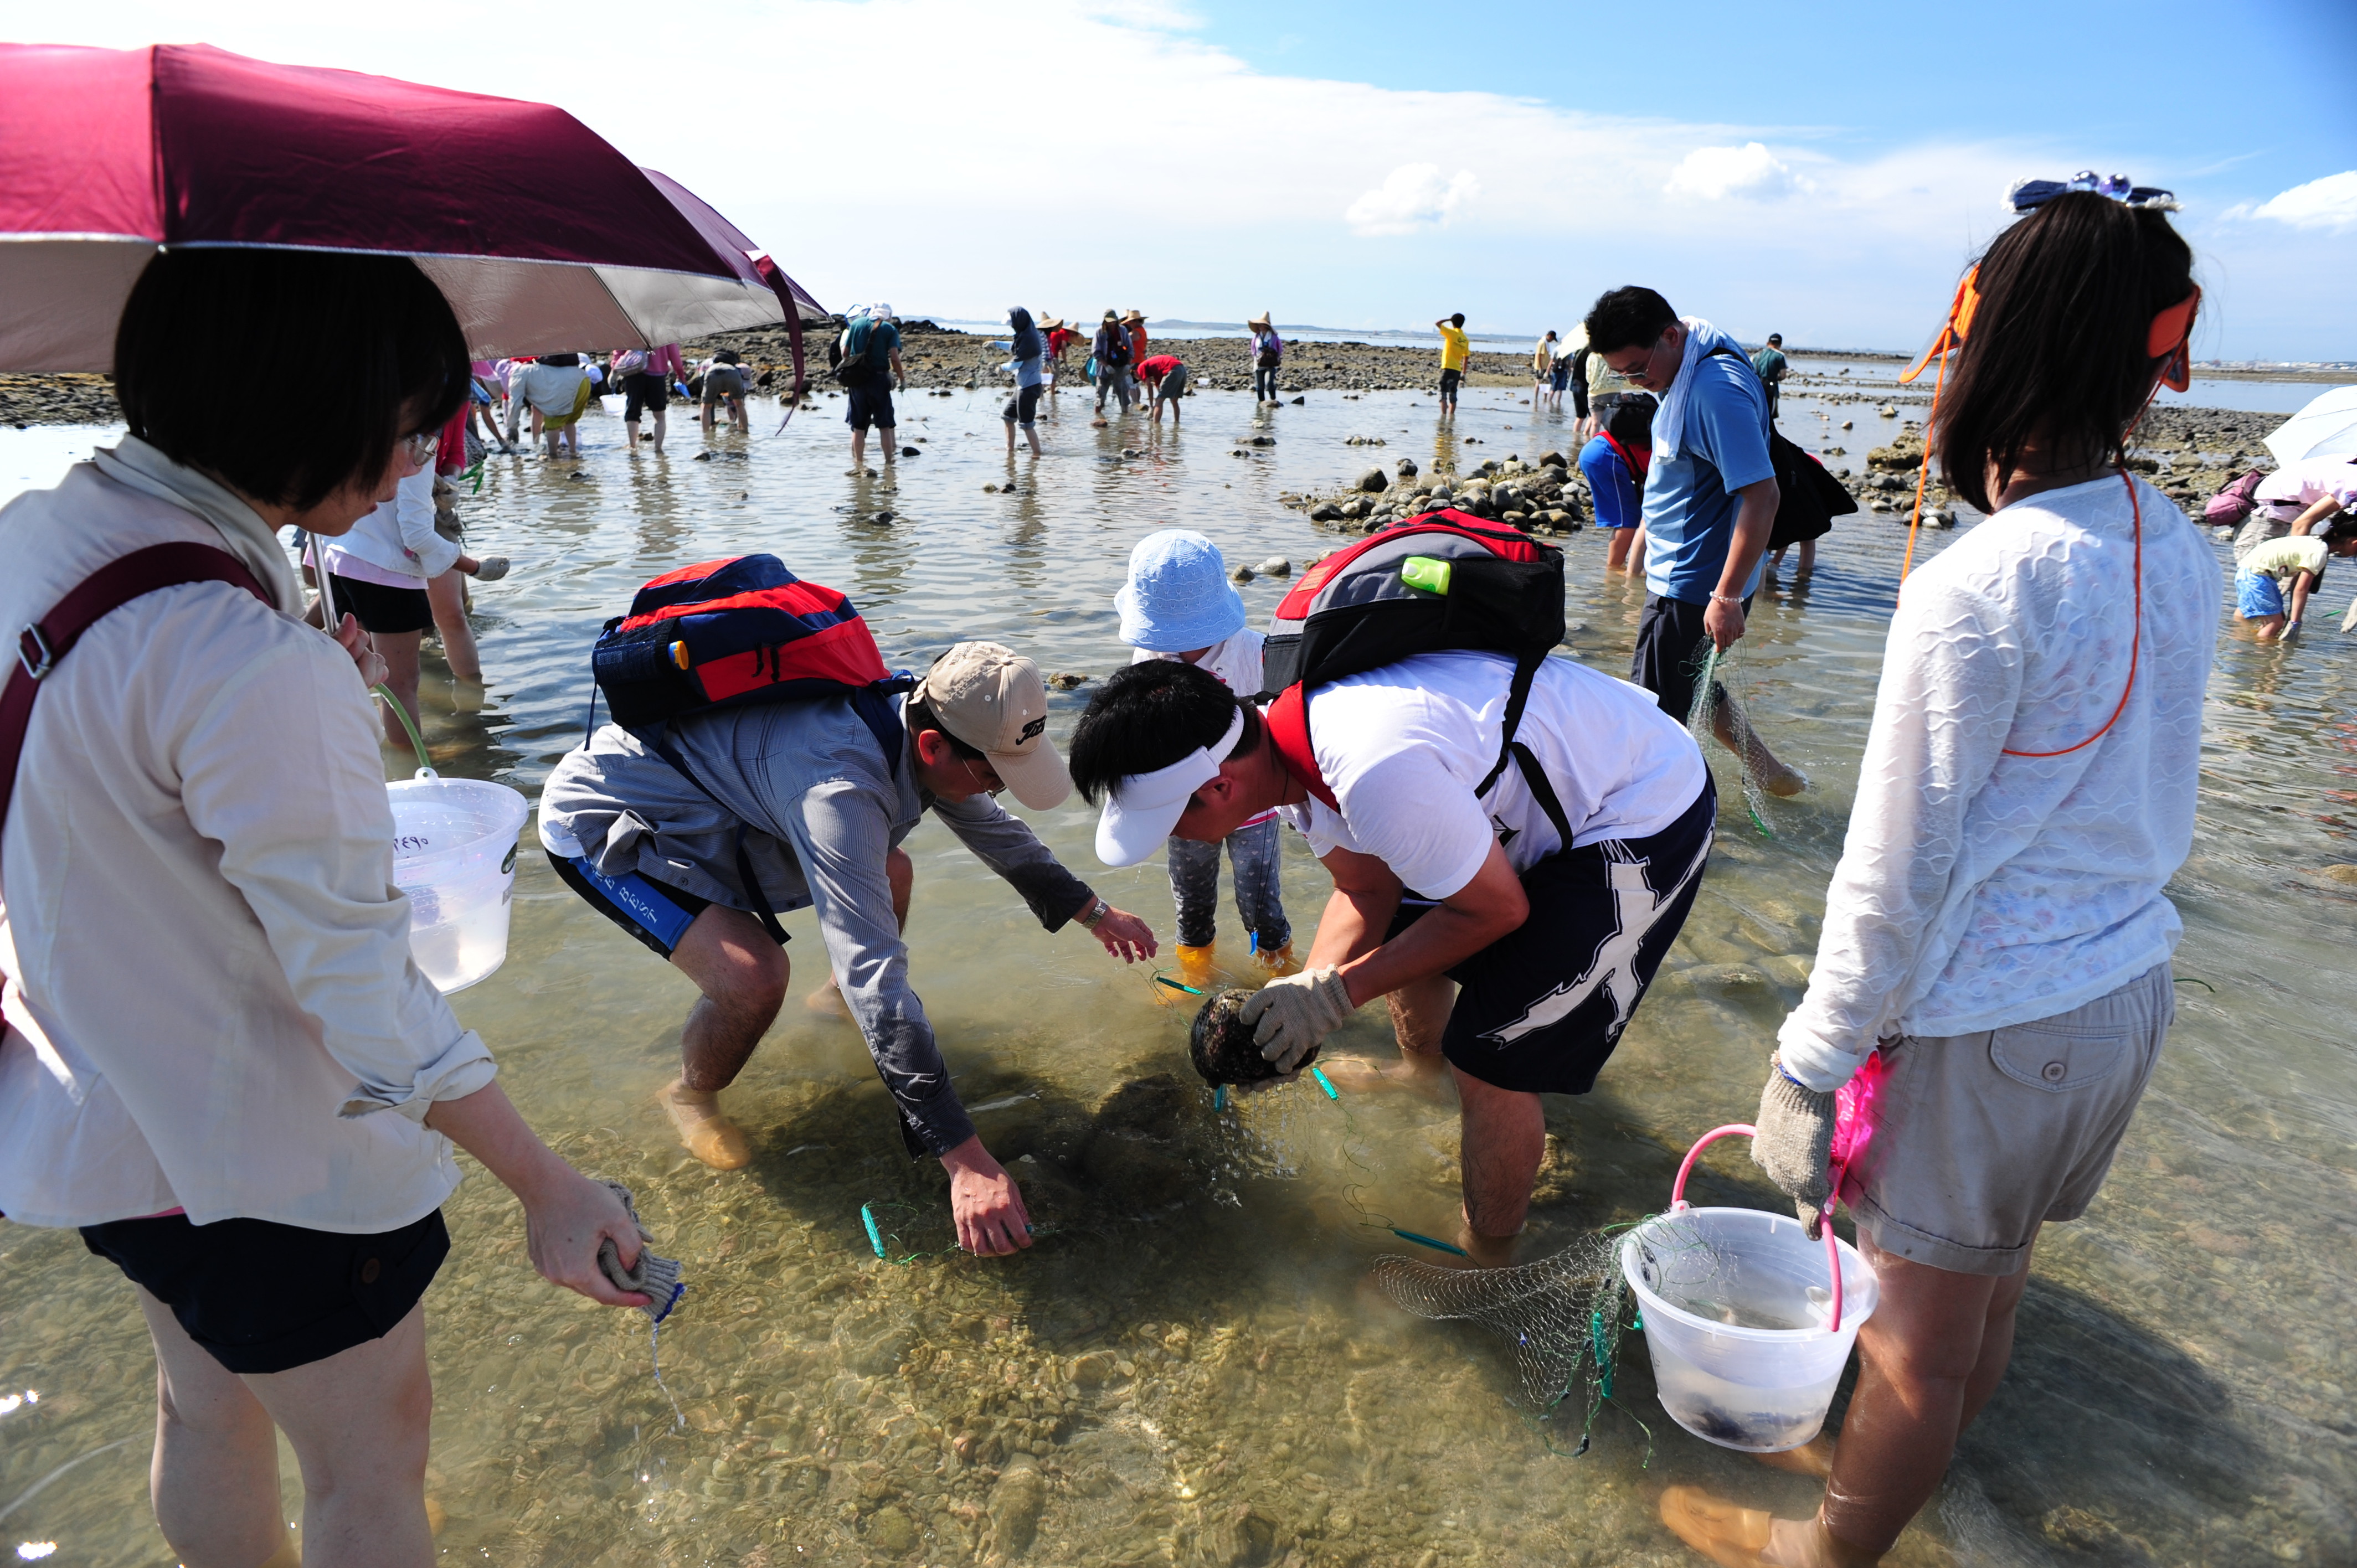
x: 992, y: 699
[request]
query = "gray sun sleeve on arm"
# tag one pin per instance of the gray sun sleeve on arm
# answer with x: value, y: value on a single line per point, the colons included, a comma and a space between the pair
x: 841, y: 833
x: 1007, y: 844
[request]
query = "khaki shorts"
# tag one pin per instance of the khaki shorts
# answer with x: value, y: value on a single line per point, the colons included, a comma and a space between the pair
x: 1980, y: 1138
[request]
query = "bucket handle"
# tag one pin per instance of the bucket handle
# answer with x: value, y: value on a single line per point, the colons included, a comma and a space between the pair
x: 1833, y: 1245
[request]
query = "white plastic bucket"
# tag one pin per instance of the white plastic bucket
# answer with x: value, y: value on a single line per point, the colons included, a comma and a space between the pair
x: 454, y: 854
x: 1736, y: 1304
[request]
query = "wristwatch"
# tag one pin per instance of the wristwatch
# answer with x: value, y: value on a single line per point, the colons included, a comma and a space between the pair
x: 1097, y: 912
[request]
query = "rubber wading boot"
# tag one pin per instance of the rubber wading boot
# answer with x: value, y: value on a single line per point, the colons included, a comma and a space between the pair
x: 1280, y: 962
x: 1196, y: 966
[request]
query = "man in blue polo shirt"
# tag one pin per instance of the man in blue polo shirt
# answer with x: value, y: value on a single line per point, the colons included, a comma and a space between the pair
x: 1710, y: 493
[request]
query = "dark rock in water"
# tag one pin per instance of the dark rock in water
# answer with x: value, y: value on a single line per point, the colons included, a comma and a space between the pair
x: 1375, y: 479
x: 1065, y: 680
x: 882, y: 517
x: 1221, y: 1043
x: 1407, y: 468
x: 910, y: 452
x: 1300, y: 399
x: 1323, y: 511
x: 702, y: 457
x: 1552, y: 460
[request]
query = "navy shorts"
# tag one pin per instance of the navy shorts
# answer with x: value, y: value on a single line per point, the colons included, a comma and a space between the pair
x: 1448, y: 382
x: 260, y: 1297
x: 871, y: 403
x: 1540, y: 1010
x: 1671, y: 646
x: 656, y: 913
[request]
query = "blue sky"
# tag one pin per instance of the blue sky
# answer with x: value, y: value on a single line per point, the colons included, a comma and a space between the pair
x: 1827, y: 174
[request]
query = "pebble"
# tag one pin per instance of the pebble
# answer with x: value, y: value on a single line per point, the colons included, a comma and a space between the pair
x: 1066, y: 679
x: 1275, y: 567
x: 1242, y: 575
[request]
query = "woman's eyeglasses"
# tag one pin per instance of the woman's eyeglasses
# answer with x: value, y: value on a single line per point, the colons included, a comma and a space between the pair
x: 419, y: 448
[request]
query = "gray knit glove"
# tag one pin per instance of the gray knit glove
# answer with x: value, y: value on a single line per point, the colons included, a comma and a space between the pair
x: 655, y: 1278
x: 493, y: 569
x: 1795, y: 1144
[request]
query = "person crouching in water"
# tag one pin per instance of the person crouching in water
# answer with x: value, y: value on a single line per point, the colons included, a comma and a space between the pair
x: 1539, y: 908
x: 818, y: 804
x: 1179, y: 604
x: 1165, y: 380
x: 1997, y: 923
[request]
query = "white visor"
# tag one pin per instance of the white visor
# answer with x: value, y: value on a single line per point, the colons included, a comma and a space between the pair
x: 1140, y: 810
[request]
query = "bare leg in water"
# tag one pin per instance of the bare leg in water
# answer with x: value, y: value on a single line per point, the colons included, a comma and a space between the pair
x: 1774, y: 777
x: 448, y: 594
x: 1929, y: 1360
x: 743, y: 975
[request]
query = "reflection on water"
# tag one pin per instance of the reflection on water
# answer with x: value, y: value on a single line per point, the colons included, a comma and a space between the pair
x: 1186, y: 1367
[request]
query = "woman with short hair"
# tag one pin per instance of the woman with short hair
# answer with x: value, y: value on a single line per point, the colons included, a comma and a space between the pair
x: 219, y: 1062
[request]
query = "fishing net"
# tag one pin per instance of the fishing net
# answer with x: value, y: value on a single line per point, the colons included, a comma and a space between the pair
x: 1562, y: 1317
x: 1719, y: 715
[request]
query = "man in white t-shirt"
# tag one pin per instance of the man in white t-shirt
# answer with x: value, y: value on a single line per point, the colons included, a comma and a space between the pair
x: 1513, y: 927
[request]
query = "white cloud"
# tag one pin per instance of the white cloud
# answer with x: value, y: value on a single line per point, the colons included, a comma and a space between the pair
x: 2327, y: 203
x: 1412, y: 197
x: 961, y: 200
x: 1713, y: 174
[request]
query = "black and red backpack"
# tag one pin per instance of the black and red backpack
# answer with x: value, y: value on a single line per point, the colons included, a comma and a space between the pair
x: 1444, y: 582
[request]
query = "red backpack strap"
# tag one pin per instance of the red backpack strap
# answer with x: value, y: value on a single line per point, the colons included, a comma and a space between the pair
x: 1288, y: 725
x: 104, y: 591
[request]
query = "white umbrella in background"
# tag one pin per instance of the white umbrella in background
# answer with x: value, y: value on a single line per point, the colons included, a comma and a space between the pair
x: 2325, y: 429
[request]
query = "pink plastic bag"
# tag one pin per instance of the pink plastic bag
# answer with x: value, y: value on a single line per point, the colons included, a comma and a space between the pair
x: 1856, y: 1111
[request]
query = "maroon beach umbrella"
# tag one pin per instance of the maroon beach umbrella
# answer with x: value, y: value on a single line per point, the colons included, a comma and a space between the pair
x: 542, y: 236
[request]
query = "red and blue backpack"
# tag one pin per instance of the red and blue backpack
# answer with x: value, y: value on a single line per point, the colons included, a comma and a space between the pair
x: 724, y: 633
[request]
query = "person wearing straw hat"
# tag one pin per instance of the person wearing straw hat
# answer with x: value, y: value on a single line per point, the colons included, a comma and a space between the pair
x: 1992, y: 985
x: 1109, y: 360
x: 1059, y: 337
x: 820, y: 803
x: 1133, y: 323
x: 1178, y: 605
x: 1267, y: 354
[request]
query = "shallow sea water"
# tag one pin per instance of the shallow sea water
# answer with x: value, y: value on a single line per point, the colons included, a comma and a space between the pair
x: 1189, y: 1367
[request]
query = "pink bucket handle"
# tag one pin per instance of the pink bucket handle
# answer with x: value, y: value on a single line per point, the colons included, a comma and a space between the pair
x: 1832, y: 1246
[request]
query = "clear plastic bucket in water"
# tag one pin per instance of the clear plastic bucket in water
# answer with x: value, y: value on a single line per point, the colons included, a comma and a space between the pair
x: 1738, y: 1312
x: 454, y: 854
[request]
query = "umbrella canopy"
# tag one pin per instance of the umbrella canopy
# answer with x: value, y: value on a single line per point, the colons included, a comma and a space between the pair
x: 2326, y: 427
x: 542, y: 236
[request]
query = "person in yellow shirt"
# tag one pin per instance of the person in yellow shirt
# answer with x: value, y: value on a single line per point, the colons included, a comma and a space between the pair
x: 1454, y: 352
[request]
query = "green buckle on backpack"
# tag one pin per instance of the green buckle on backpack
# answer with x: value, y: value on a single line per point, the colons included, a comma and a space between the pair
x: 1425, y: 573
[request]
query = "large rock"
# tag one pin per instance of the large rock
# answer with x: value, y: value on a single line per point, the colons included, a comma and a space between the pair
x: 1373, y: 480
x: 1407, y: 468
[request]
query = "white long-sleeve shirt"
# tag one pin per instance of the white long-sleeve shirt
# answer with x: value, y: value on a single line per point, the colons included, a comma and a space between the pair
x: 1978, y: 890
x: 395, y: 545
x: 204, y: 965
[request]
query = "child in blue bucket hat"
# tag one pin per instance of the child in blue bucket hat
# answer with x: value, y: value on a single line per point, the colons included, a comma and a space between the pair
x: 1179, y: 604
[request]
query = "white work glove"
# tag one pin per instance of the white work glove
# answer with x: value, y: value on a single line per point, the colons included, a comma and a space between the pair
x: 1291, y: 1014
x: 493, y: 569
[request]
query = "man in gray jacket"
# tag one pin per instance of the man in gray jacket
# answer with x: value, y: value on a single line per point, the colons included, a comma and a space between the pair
x: 810, y: 802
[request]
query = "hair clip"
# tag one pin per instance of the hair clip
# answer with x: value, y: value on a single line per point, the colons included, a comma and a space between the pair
x: 2028, y: 194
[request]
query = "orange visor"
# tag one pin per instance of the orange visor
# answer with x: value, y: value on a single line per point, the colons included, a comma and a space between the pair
x: 2171, y: 336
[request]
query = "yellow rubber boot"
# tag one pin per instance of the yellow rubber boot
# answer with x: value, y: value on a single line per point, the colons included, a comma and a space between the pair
x: 1196, y: 966
x: 1278, y: 962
